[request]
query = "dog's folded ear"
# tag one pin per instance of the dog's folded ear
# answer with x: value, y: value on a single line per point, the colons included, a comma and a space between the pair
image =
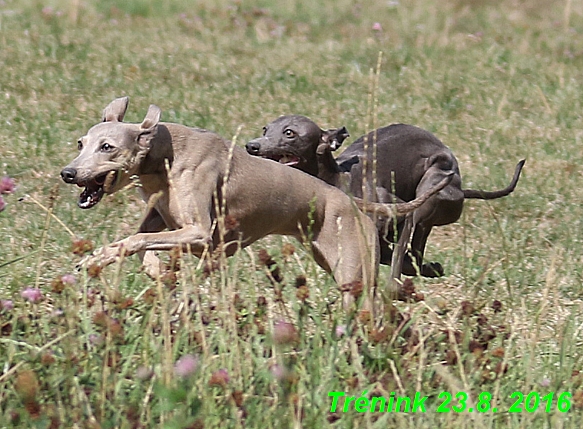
x: 440, y: 160
x: 438, y: 167
x: 116, y: 110
x: 149, y: 126
x: 332, y: 139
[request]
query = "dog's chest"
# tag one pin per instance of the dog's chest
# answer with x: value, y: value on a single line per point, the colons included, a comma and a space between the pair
x: 154, y: 192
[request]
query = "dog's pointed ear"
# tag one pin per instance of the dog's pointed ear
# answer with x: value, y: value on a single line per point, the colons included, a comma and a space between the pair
x: 116, y: 110
x: 149, y: 126
x: 332, y: 139
x: 152, y: 118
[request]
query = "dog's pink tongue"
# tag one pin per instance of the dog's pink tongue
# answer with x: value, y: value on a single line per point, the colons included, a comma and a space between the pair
x: 289, y: 160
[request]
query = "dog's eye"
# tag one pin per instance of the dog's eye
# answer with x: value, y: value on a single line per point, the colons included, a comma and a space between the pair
x: 79, y: 144
x: 264, y: 130
x: 289, y: 133
x: 106, y: 147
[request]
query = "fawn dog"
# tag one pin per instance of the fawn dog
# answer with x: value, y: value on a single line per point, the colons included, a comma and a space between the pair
x: 191, y: 177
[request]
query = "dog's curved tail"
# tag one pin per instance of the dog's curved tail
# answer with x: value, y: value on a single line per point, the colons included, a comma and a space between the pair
x: 390, y: 210
x: 492, y: 195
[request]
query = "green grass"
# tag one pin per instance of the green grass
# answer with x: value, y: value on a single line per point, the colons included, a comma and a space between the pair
x: 496, y: 81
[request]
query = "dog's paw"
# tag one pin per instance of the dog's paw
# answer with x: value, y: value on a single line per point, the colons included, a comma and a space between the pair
x: 432, y: 269
x: 151, y: 265
x: 102, y: 257
x: 88, y: 261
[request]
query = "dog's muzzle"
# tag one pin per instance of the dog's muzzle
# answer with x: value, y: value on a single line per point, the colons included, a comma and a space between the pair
x: 94, y: 189
x: 68, y: 175
x: 253, y: 147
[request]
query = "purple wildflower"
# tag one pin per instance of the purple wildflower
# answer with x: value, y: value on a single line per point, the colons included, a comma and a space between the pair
x: 186, y: 366
x: 32, y: 294
x: 96, y: 340
x: 282, y: 374
x: 284, y: 333
x: 68, y: 279
x: 6, y: 304
x: 220, y: 378
x: 47, y: 12
x: 7, y: 185
x: 278, y: 372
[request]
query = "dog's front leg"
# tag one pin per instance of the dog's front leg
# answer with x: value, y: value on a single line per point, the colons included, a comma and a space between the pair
x: 192, y: 238
x: 151, y: 264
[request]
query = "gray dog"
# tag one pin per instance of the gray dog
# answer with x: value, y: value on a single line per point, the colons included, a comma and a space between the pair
x: 408, y: 160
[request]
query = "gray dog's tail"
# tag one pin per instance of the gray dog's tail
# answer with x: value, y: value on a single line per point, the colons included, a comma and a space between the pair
x: 492, y: 195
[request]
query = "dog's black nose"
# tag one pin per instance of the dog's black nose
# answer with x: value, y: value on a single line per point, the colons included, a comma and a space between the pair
x: 68, y: 175
x: 253, y: 147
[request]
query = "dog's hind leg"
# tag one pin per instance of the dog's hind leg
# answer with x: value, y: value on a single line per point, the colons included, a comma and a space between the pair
x: 443, y: 208
x: 398, y: 258
x: 347, y: 247
x: 415, y: 264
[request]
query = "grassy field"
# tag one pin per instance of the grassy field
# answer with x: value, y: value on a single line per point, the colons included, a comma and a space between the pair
x: 497, y: 81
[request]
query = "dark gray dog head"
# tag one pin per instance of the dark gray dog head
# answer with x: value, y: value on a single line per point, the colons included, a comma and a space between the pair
x: 296, y: 141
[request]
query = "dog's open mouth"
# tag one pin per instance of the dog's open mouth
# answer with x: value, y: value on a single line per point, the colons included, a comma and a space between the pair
x: 286, y: 159
x: 94, y: 189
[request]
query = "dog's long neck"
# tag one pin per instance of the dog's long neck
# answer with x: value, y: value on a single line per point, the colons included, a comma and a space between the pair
x: 160, y: 150
x: 153, y: 171
x: 327, y: 169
